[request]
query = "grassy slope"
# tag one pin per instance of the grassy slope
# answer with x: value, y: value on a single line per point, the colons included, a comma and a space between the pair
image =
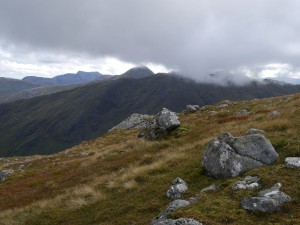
x: 123, y: 180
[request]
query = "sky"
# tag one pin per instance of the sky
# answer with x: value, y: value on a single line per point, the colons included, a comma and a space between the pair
x: 234, y: 39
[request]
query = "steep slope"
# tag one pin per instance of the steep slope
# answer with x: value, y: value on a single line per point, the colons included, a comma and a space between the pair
x: 11, y: 86
x: 118, y: 179
x: 52, y: 123
x: 66, y: 79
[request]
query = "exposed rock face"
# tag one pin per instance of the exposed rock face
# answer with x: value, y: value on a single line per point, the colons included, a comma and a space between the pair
x: 192, y: 108
x: 249, y: 183
x: 292, y: 162
x: 268, y: 200
x: 5, y: 173
x: 228, y: 156
x: 181, y: 221
x: 177, y: 189
x: 136, y: 121
x: 167, y: 120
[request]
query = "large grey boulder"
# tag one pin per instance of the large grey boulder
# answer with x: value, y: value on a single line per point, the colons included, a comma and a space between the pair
x: 292, y: 162
x: 268, y: 200
x: 177, y: 189
x: 228, y: 156
x: 167, y: 120
x: 181, y: 221
x: 136, y: 121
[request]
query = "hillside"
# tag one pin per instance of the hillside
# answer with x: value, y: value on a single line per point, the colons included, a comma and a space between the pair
x: 11, y: 86
x: 51, y: 123
x: 118, y: 179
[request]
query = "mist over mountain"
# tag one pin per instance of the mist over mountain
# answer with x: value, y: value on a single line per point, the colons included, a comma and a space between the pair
x: 51, y: 123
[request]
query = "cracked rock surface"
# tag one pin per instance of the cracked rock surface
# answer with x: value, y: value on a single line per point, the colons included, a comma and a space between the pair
x: 228, y: 156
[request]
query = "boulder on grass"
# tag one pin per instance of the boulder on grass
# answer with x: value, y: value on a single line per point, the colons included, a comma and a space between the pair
x: 167, y: 120
x: 177, y: 189
x: 292, y: 162
x: 228, y: 156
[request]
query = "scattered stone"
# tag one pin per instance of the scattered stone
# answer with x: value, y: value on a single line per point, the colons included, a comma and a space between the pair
x: 249, y: 183
x: 268, y: 200
x: 228, y: 156
x: 21, y: 167
x: 243, y: 112
x: 177, y: 189
x: 181, y: 221
x: 167, y: 120
x: 212, y: 187
x: 255, y: 131
x: 176, y: 204
x: 292, y: 162
x: 5, y: 173
x: 223, y: 106
x: 192, y: 108
x: 136, y: 121
x: 83, y: 154
x: 274, y: 114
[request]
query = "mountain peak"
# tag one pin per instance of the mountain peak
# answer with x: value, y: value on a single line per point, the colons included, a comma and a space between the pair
x: 138, y: 72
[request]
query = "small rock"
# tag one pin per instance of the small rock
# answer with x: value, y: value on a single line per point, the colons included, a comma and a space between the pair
x: 268, y: 200
x: 192, y: 108
x: 177, y: 189
x: 167, y: 120
x: 176, y: 204
x: 255, y: 131
x: 181, y: 221
x: 274, y: 114
x: 223, y: 106
x: 243, y: 112
x: 5, y: 173
x: 21, y: 167
x: 249, y: 183
x: 212, y: 187
x: 83, y: 154
x: 292, y: 162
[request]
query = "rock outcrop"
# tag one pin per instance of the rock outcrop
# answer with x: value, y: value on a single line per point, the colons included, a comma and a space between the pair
x: 228, y: 156
x: 177, y: 189
x: 249, y: 183
x: 5, y: 173
x: 136, y: 121
x: 192, y: 108
x: 181, y: 221
x: 268, y: 200
x: 167, y: 120
x: 292, y: 162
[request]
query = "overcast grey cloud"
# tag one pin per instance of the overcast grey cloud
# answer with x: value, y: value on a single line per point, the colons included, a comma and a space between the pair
x: 195, y: 37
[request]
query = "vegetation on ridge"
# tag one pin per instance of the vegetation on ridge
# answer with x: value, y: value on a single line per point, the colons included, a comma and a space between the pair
x: 118, y: 179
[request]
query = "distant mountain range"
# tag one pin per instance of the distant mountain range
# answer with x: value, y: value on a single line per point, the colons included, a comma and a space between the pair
x: 51, y: 123
x: 288, y: 80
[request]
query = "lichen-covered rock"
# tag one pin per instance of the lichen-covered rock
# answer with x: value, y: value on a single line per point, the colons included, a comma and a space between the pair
x: 136, y: 121
x: 268, y: 200
x: 176, y: 204
x: 292, y: 162
x: 177, y: 189
x: 228, y: 156
x: 192, y: 108
x: 181, y: 221
x: 167, y: 120
x: 249, y: 183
